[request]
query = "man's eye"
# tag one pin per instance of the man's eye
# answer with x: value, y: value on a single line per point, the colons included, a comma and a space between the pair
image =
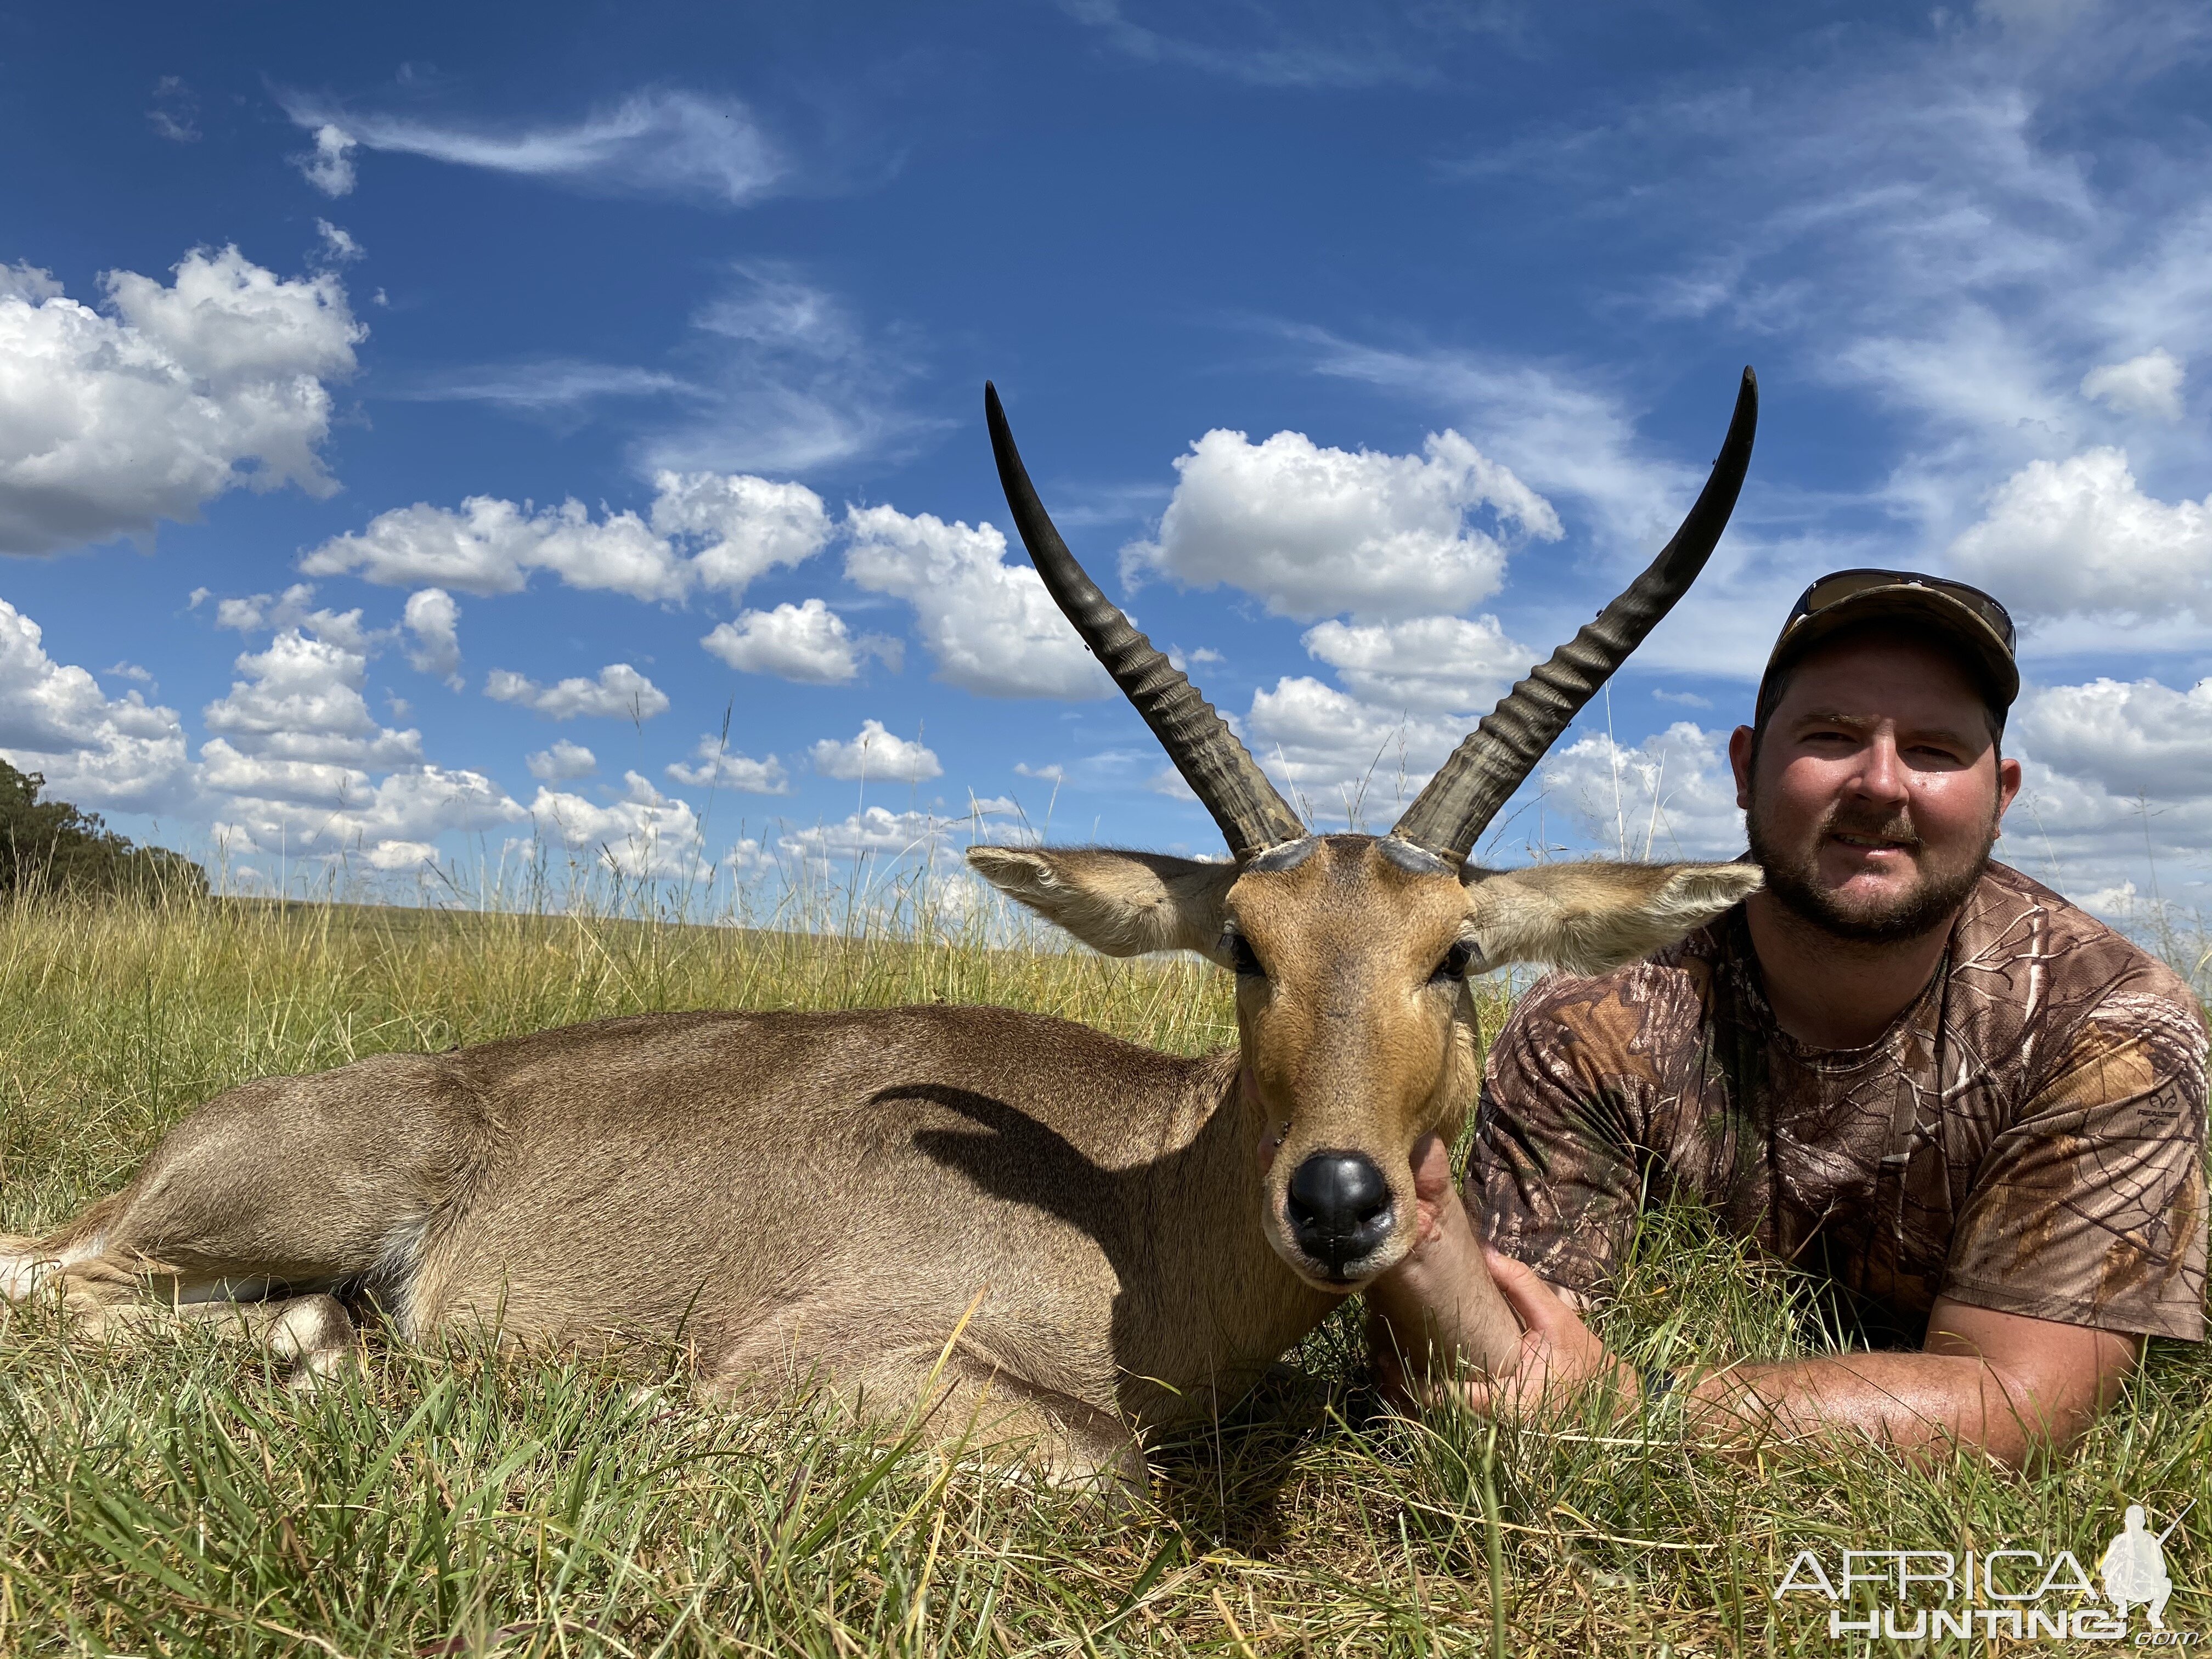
x: 1242, y: 956
x: 1456, y: 961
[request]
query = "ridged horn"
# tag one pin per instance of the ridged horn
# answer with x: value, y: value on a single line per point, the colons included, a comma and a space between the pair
x: 1451, y: 813
x: 1217, y: 766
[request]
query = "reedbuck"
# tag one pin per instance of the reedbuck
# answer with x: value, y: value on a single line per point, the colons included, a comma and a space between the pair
x: 1068, y: 1240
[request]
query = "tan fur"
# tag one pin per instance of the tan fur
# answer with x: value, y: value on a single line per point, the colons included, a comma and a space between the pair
x: 1348, y: 1045
x: 1035, y: 1231
x: 1121, y: 904
x: 1589, y: 918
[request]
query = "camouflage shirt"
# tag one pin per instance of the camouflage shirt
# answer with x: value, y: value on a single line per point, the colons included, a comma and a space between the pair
x: 2028, y: 1136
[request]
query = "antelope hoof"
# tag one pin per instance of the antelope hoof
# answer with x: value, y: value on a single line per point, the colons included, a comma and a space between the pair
x: 316, y: 1334
x: 23, y: 1268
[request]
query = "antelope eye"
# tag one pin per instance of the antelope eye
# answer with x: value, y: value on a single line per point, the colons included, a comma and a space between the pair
x: 1456, y: 961
x: 1242, y: 956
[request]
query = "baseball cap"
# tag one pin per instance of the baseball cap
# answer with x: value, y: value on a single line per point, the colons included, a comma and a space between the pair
x: 1976, y: 623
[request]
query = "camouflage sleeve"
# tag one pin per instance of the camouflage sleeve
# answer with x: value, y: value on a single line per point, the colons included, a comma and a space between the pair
x: 1553, y: 1177
x: 2089, y: 1208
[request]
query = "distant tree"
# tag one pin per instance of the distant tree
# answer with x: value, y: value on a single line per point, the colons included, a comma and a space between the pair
x: 54, y: 846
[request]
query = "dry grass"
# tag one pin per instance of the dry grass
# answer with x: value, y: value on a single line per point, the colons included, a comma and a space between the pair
x: 175, y: 1500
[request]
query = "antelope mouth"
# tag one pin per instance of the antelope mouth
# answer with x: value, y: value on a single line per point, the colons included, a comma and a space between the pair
x: 1343, y: 1273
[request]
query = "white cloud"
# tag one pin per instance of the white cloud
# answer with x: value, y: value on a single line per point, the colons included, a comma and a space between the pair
x: 647, y: 835
x: 1434, y: 664
x: 329, y: 165
x: 1575, y: 436
x: 563, y: 761
x: 300, y: 700
x: 490, y: 546
x: 899, y: 834
x: 2148, y: 385
x: 1170, y: 782
x: 2079, y: 537
x: 1671, y: 796
x: 417, y: 804
x: 226, y: 769
x: 266, y: 612
x: 875, y: 830
x: 1301, y: 45
x: 750, y: 525
x: 619, y: 693
x: 807, y: 642
x: 392, y: 855
x: 544, y: 384
x: 991, y: 626
x: 1946, y: 224
x: 1341, y: 755
x: 338, y: 247
x: 176, y: 111
x: 1313, y: 531
x: 120, y: 753
x: 2131, y: 738
x: 658, y: 142
x: 774, y: 374
x: 2080, y: 837
x: 434, y: 619
x: 1564, y: 434
x: 747, y: 858
x: 722, y: 767
x: 787, y: 380
x: 876, y: 753
x: 2116, y: 903
x: 2036, y: 14
x: 109, y: 423
x: 742, y: 525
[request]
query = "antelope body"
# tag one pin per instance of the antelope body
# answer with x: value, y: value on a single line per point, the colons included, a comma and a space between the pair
x: 1040, y: 1233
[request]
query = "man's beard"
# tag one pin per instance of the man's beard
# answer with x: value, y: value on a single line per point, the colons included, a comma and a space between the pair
x: 1794, y: 880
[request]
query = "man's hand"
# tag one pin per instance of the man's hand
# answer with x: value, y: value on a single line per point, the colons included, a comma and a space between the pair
x: 1454, y: 1308
x: 1559, y: 1356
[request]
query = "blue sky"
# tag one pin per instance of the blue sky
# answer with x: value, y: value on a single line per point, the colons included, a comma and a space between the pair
x: 421, y: 435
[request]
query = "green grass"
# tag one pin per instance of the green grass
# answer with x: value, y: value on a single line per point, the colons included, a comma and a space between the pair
x: 174, y: 1499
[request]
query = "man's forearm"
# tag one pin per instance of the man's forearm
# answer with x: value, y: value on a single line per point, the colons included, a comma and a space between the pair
x: 1439, y: 1310
x: 1914, y: 1402
x: 1428, y: 1324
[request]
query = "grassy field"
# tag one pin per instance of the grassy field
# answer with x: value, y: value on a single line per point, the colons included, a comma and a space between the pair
x: 175, y: 1500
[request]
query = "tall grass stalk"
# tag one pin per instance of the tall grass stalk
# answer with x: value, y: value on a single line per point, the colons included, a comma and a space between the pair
x: 174, y: 1499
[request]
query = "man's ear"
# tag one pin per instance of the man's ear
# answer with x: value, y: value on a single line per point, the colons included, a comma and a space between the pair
x: 1591, y: 918
x: 1120, y: 903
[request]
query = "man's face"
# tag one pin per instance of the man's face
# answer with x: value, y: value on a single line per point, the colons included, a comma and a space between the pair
x: 1876, y: 797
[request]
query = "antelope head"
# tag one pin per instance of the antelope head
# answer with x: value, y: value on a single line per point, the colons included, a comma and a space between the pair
x: 1352, y: 953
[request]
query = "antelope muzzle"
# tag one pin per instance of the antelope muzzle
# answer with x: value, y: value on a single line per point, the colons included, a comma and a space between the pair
x: 1340, y: 1212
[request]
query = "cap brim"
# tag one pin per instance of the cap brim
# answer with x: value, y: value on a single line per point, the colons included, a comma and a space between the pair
x: 1908, y: 602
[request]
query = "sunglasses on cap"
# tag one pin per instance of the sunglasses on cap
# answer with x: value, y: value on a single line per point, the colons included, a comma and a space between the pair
x: 1843, y: 584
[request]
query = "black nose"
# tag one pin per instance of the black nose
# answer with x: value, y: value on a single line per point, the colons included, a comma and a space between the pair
x: 1339, y: 1207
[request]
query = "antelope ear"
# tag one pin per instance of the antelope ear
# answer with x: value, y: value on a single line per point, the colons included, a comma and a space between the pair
x: 1591, y: 918
x: 1122, y: 904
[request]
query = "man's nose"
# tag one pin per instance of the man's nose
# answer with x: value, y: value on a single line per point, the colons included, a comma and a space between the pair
x: 1881, y: 775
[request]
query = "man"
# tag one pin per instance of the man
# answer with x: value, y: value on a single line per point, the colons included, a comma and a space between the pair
x: 1974, y: 1109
